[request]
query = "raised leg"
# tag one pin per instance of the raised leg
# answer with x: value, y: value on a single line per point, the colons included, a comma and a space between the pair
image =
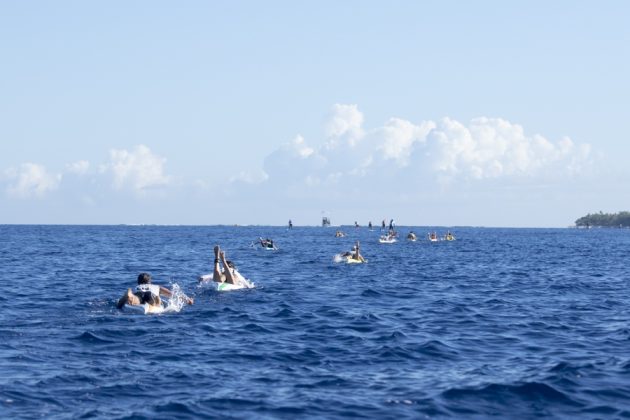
x: 229, y: 277
x: 356, y: 252
x: 216, y: 273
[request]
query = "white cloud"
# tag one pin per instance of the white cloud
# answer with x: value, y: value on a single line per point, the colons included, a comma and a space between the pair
x: 80, y: 167
x: 345, y: 124
x: 495, y: 148
x: 31, y: 180
x: 294, y: 160
x: 397, y: 138
x: 299, y: 148
x: 250, y: 177
x: 139, y: 169
x: 446, y: 150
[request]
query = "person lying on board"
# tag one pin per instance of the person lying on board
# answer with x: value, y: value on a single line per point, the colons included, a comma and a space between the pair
x: 266, y: 243
x: 146, y: 292
x: 355, y: 254
x: 227, y: 274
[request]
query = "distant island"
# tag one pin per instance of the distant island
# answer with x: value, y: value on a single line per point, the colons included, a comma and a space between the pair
x: 621, y: 219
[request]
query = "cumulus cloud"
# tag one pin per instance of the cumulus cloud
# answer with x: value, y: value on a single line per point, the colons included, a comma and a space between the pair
x: 31, y: 180
x: 494, y: 148
x: 139, y: 170
x: 484, y: 148
x: 397, y: 139
x: 80, y: 167
x: 251, y: 177
x: 345, y: 122
x: 294, y: 158
x: 342, y: 152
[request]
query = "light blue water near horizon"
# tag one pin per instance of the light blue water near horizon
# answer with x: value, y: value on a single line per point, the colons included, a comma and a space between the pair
x: 508, y: 323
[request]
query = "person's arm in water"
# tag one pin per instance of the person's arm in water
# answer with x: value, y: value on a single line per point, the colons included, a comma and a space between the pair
x: 166, y: 292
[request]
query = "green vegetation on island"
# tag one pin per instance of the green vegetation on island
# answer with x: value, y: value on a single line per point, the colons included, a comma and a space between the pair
x: 621, y: 219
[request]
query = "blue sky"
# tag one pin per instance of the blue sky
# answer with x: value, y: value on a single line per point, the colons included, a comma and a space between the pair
x: 431, y: 113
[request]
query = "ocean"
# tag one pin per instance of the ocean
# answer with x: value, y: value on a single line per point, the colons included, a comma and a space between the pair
x: 503, y: 323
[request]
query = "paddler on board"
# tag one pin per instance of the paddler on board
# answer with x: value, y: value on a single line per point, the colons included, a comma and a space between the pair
x: 147, y: 293
x: 266, y: 243
x: 355, y: 254
x: 228, y: 274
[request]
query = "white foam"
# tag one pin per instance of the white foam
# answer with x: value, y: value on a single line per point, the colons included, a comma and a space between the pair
x: 177, y: 300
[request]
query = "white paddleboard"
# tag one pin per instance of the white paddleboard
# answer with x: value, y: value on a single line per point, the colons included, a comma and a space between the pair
x: 387, y: 241
x: 243, y: 283
x: 145, y: 308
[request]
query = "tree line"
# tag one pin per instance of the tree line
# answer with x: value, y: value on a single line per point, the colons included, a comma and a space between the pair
x: 621, y: 219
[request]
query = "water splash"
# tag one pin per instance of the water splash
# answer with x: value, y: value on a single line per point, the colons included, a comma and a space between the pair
x: 177, y: 300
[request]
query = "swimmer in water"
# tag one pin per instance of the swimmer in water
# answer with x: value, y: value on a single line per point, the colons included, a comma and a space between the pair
x: 146, y: 292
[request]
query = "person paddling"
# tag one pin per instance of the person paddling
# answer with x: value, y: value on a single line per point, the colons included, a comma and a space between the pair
x: 266, y: 243
x: 147, y: 293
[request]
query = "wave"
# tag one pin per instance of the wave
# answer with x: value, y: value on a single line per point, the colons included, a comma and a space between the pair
x: 89, y: 337
x: 502, y: 394
x: 502, y: 324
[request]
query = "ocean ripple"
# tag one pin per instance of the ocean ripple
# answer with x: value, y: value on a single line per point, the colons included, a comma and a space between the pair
x: 505, y: 323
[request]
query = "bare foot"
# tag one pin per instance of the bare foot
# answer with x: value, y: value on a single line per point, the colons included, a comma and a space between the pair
x: 127, y: 299
x: 123, y: 299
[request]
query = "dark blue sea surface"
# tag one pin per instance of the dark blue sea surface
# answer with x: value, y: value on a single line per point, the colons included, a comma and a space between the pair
x: 506, y: 323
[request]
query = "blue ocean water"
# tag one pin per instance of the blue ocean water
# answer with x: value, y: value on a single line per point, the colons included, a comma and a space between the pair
x: 507, y: 323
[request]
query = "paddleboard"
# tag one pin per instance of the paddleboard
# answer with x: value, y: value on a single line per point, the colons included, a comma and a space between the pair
x: 243, y: 283
x: 387, y: 241
x: 205, y: 277
x: 145, y: 308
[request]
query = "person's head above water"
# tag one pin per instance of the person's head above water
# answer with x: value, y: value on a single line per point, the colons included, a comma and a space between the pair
x: 144, y: 278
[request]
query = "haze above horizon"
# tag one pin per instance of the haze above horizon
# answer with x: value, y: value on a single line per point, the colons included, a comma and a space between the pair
x: 249, y: 113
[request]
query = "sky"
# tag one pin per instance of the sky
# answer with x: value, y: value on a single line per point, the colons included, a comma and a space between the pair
x: 431, y: 113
